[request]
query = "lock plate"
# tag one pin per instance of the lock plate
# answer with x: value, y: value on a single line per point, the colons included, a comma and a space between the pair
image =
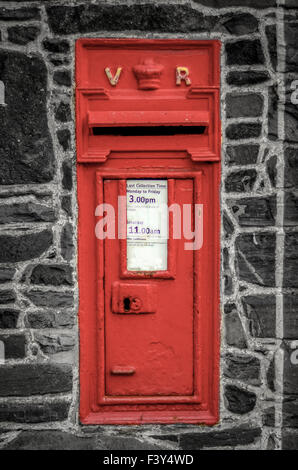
x: 132, y: 298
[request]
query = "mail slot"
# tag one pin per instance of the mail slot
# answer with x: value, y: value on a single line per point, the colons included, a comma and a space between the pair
x: 148, y: 172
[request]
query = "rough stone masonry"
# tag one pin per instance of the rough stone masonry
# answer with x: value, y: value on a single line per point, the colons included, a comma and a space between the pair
x: 39, y: 392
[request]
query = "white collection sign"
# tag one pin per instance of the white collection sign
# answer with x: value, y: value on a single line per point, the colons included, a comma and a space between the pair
x: 147, y: 225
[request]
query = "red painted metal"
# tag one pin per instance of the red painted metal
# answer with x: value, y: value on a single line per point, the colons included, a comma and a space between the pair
x: 156, y: 361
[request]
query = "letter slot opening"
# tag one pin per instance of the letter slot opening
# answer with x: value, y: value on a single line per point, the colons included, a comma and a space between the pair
x: 132, y: 131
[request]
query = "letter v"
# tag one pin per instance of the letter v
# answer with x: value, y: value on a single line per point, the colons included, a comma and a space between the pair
x: 113, y: 80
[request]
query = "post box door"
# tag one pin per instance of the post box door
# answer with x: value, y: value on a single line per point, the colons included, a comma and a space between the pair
x: 149, y: 319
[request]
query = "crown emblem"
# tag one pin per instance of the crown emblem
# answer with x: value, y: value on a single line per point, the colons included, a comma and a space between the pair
x: 148, y: 74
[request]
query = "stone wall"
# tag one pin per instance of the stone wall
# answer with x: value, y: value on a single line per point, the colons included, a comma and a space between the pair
x: 39, y: 391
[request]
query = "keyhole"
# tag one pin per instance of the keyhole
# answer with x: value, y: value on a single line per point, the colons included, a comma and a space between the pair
x: 126, y: 304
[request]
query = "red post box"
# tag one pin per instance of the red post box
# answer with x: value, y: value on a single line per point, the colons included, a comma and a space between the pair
x: 148, y: 149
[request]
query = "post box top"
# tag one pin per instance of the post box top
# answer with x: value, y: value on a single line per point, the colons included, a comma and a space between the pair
x: 125, y: 86
x: 146, y: 65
